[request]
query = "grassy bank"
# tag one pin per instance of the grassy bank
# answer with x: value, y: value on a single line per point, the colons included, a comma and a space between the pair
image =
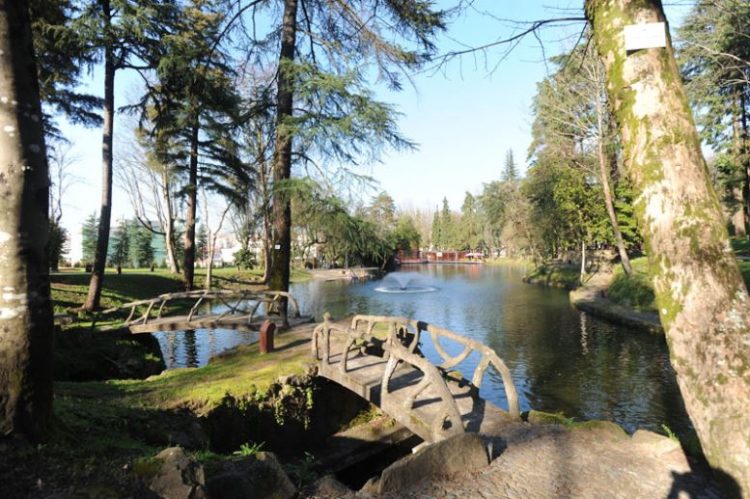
x: 513, y: 262
x: 69, y: 288
x: 558, y: 276
x: 102, y: 430
x: 633, y: 291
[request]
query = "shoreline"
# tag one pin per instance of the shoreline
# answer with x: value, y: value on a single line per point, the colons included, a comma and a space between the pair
x: 590, y: 300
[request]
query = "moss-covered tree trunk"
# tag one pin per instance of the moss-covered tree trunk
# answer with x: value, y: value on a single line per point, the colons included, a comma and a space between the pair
x: 702, y: 299
x: 282, y: 162
x: 25, y: 309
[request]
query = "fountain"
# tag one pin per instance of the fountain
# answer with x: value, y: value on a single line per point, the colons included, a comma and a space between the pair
x: 404, y: 282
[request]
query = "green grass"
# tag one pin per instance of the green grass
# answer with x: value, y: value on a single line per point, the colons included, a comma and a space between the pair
x: 69, y: 288
x: 242, y: 372
x: 741, y: 246
x: 635, y: 290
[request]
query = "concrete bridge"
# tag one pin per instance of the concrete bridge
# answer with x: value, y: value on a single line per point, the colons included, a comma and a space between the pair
x: 379, y: 359
x: 240, y: 310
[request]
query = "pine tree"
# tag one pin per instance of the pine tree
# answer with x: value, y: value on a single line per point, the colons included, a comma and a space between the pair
x: 195, y: 108
x: 437, y: 232
x: 143, y: 248
x: 201, y: 243
x: 88, y: 238
x: 510, y: 173
x: 334, y: 114
x: 120, y: 247
x: 121, y: 31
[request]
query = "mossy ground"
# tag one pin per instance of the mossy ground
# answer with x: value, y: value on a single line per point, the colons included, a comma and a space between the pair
x: 106, y: 432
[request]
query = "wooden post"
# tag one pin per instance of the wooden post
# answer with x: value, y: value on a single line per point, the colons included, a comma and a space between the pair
x: 266, y: 336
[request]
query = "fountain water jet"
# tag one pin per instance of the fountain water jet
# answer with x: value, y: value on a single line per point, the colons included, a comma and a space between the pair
x: 405, y: 282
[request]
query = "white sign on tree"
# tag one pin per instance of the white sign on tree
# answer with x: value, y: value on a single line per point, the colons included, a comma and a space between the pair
x: 645, y: 36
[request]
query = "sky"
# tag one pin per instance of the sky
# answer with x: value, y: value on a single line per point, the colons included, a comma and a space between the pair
x: 464, y: 116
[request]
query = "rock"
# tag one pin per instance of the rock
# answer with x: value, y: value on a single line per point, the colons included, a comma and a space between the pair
x: 655, y: 443
x: 259, y: 476
x: 178, y: 476
x: 328, y: 487
x: 461, y: 453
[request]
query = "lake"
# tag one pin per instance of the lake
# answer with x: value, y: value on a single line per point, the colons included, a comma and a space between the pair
x: 562, y: 360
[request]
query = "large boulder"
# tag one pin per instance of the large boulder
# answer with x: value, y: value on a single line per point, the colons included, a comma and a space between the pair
x: 178, y: 476
x: 328, y: 487
x: 461, y: 453
x: 253, y: 477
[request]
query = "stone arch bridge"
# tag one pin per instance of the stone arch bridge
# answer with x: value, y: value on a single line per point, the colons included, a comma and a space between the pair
x: 379, y: 359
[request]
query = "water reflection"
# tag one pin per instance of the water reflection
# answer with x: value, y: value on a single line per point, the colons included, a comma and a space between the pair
x: 560, y: 359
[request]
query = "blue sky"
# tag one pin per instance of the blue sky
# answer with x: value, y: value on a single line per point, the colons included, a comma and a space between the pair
x: 464, y: 117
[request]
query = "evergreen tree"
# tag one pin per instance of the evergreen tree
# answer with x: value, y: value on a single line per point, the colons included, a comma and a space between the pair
x: 58, y: 237
x: 447, y: 227
x: 142, y: 248
x: 120, y: 247
x: 714, y: 56
x: 201, y: 243
x: 88, y: 238
x: 120, y: 32
x: 196, y: 107
x: 510, y: 170
x: 470, y: 233
x: 322, y: 101
x: 437, y: 231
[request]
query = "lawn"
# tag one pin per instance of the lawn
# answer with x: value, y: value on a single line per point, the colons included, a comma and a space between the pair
x: 69, y: 288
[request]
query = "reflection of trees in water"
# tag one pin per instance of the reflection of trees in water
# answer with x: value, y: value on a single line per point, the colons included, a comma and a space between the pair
x: 191, y: 348
x: 560, y: 359
x: 589, y: 369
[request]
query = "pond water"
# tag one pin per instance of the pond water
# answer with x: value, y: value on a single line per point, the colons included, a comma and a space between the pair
x: 562, y: 360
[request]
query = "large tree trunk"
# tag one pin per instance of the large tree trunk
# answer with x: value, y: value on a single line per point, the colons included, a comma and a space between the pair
x: 606, y: 188
x: 26, y: 327
x: 702, y: 299
x: 282, y: 161
x: 102, y: 240
x: 188, y: 266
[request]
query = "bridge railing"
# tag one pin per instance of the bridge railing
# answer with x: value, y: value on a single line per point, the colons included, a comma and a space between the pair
x: 238, y: 304
x: 431, y: 378
x: 355, y: 340
x: 408, y: 333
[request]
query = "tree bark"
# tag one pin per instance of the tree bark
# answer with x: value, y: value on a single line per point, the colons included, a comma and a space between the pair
x: 188, y: 266
x: 282, y: 162
x: 26, y: 327
x: 745, y: 162
x: 739, y: 217
x: 606, y: 188
x: 703, y: 302
x: 102, y: 240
